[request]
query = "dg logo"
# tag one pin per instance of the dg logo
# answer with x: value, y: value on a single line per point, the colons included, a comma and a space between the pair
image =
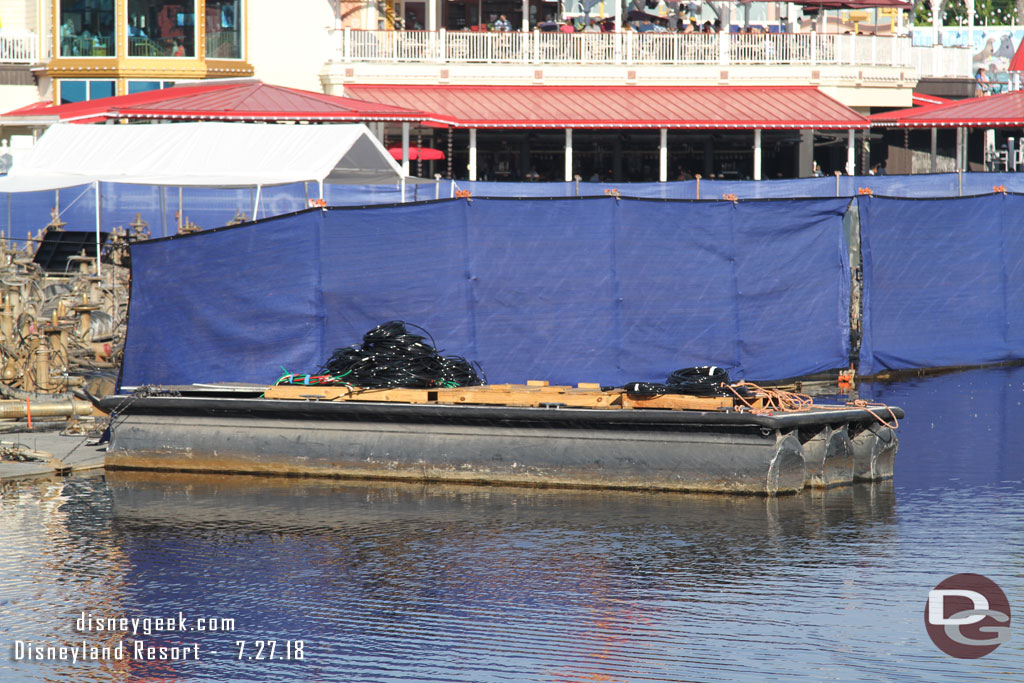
x: 967, y: 616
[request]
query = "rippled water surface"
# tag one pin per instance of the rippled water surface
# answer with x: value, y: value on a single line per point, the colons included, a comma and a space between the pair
x: 389, y: 582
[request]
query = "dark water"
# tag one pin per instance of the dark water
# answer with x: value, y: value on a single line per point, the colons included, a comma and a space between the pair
x: 439, y: 583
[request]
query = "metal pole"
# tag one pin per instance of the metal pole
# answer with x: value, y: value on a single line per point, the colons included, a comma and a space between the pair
x: 405, y: 148
x: 99, y: 268
x: 935, y: 148
x: 568, y: 154
x: 851, y: 154
x: 757, y: 154
x: 663, y: 156
x: 256, y: 202
x: 472, y: 153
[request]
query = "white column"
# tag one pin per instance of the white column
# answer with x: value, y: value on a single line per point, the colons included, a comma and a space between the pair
x: 568, y: 155
x: 663, y: 156
x: 405, y: 148
x: 431, y: 15
x: 526, y: 16
x: 472, y: 153
x: 851, y: 153
x: 757, y: 154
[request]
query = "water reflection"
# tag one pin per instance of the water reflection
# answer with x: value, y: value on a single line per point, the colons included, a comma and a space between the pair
x: 405, y: 582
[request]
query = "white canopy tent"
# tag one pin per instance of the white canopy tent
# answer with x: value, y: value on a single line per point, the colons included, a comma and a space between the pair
x: 203, y: 154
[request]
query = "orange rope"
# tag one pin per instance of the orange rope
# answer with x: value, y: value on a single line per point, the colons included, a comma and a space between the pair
x: 861, y: 403
x: 774, y: 400
x: 779, y: 401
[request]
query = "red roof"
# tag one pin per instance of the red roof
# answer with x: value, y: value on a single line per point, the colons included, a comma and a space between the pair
x: 1017, y: 63
x: 235, y: 101
x: 921, y: 100
x: 548, y: 106
x: 996, y: 111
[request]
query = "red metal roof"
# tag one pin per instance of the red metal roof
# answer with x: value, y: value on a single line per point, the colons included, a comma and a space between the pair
x: 547, y: 106
x: 234, y: 101
x: 1017, y: 63
x: 996, y: 111
x: 921, y: 100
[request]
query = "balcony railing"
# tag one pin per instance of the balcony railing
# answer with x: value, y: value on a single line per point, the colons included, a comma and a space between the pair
x: 942, y: 61
x: 620, y: 48
x: 18, y: 47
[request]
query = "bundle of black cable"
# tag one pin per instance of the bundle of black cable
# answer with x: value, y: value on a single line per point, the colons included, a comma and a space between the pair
x: 704, y: 380
x: 391, y: 356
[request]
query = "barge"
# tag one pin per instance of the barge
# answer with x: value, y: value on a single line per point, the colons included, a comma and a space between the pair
x: 585, y: 436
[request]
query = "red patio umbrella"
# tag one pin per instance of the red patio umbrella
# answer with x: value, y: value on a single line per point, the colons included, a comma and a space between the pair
x: 417, y: 153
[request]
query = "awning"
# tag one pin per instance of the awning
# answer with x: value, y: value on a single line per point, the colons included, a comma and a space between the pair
x: 996, y: 111
x: 680, y: 107
x: 248, y: 100
x: 208, y: 154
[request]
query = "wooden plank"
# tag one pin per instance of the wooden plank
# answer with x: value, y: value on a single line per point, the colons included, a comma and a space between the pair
x: 341, y: 393
x: 677, y: 402
x: 545, y: 395
x: 505, y: 394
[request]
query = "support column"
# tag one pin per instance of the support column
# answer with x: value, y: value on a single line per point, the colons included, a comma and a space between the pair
x: 851, y: 152
x: 99, y: 268
x: 472, y: 153
x: 805, y: 153
x: 757, y: 154
x: 568, y: 155
x: 526, y: 16
x: 431, y: 15
x: 663, y: 157
x: 405, y: 148
x: 935, y: 149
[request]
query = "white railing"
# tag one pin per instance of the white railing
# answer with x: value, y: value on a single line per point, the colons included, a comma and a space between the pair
x: 943, y: 62
x: 620, y: 48
x: 18, y: 47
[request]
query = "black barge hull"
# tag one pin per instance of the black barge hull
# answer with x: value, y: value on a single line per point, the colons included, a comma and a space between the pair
x: 713, y: 451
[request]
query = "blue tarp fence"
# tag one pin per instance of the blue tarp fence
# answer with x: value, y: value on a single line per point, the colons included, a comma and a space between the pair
x: 943, y: 281
x: 25, y: 213
x: 567, y: 290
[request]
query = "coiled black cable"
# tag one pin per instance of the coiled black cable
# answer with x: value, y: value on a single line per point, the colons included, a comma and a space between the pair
x: 391, y: 356
x: 703, y: 380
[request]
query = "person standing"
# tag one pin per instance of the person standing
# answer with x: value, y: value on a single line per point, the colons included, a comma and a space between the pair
x: 502, y: 24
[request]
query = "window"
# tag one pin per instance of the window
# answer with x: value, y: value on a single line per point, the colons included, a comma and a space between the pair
x: 146, y: 86
x: 223, y: 29
x: 80, y: 90
x: 162, y: 28
x: 87, y: 28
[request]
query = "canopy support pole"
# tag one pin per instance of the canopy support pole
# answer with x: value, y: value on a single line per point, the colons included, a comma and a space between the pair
x: 256, y: 202
x: 757, y: 154
x: 403, y: 189
x: 405, y: 148
x: 851, y: 152
x: 472, y: 154
x: 320, y: 188
x: 663, y: 156
x: 568, y: 155
x: 99, y: 268
x: 181, y: 208
x: 935, y: 149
